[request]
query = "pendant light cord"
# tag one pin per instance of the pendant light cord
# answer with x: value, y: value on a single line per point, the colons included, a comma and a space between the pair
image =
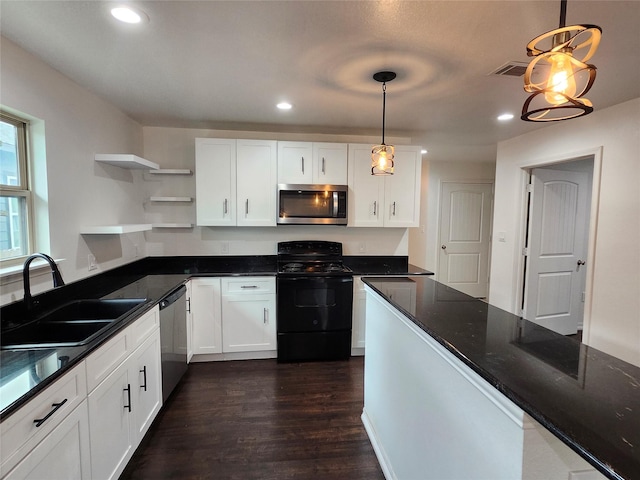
x: 563, y: 13
x: 384, y: 97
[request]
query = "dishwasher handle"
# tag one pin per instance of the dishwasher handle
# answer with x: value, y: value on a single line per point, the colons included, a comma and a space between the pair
x: 173, y: 297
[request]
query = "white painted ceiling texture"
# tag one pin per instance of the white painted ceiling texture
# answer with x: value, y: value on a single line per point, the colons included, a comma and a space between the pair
x: 225, y: 64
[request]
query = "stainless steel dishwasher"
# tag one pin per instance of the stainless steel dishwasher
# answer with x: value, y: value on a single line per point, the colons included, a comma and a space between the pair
x: 173, y: 339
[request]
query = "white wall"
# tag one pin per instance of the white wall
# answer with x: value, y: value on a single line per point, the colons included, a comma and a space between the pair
x: 175, y: 148
x: 72, y: 124
x: 612, y: 310
x: 423, y: 242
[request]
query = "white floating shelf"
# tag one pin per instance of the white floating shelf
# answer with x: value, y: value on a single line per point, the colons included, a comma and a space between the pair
x: 172, y: 225
x: 125, y: 160
x: 114, y: 229
x: 171, y: 171
x: 170, y: 199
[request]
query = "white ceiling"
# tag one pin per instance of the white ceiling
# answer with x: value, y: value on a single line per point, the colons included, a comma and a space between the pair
x: 225, y: 64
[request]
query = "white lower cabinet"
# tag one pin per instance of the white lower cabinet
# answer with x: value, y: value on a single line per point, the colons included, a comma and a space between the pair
x: 206, y: 316
x: 189, y: 286
x: 123, y: 405
x: 147, y: 385
x: 51, y: 426
x: 111, y: 425
x: 249, y: 314
x: 233, y: 315
x: 63, y: 454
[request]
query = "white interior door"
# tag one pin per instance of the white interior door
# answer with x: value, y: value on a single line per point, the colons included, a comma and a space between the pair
x: 465, y: 224
x: 557, y: 249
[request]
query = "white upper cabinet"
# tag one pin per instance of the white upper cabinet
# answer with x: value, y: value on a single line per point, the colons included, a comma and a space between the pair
x: 330, y: 163
x: 402, y: 189
x: 386, y: 200
x: 256, y: 183
x: 366, y: 192
x: 309, y: 163
x: 215, y: 181
x: 235, y: 182
x: 295, y: 162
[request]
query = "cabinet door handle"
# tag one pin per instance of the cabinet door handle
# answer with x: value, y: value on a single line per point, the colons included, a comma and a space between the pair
x: 375, y: 208
x: 144, y: 375
x: 394, y: 209
x: 56, y: 406
x: 246, y: 207
x: 226, y: 206
x: 128, y: 390
x: 323, y: 165
x: 248, y: 286
x: 302, y: 159
x: 188, y: 305
x: 265, y: 315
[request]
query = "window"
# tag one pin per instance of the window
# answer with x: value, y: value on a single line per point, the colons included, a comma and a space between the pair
x: 15, y: 197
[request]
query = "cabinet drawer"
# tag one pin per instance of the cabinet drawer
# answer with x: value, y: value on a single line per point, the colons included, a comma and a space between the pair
x: 145, y: 326
x: 20, y: 433
x: 107, y: 358
x: 248, y: 285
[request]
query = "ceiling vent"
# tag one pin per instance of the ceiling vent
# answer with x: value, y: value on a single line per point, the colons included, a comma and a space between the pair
x: 511, y: 69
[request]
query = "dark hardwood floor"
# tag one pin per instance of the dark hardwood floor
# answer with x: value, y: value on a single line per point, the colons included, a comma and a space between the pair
x: 257, y: 419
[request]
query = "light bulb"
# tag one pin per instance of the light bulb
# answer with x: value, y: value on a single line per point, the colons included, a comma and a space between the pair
x: 561, y: 80
x: 382, y: 161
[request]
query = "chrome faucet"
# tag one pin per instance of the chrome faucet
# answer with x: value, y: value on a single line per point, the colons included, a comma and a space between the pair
x: 57, y: 278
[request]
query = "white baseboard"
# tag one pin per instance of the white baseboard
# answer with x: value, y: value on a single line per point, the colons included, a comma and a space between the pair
x: 387, y: 471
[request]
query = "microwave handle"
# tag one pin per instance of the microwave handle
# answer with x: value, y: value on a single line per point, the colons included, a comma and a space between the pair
x: 335, y: 204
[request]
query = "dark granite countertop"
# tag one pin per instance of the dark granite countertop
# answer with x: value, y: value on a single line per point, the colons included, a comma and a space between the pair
x: 382, y: 265
x: 587, y: 398
x: 24, y: 373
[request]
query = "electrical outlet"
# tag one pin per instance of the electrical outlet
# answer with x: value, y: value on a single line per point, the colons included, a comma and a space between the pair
x: 225, y: 247
x: 136, y: 250
x: 92, y: 262
x: 362, y: 247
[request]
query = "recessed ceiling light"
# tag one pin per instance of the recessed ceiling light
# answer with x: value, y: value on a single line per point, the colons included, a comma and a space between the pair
x: 284, y: 106
x: 129, y: 14
x: 505, y: 116
x: 423, y: 151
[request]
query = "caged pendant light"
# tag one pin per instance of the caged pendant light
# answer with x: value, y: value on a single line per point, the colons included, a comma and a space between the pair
x: 382, y: 155
x: 560, y: 95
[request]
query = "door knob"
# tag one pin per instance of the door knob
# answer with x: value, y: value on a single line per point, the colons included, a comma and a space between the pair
x: 444, y: 247
x: 581, y: 262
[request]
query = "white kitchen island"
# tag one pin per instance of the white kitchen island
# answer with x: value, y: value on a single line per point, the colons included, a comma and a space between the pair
x: 431, y: 415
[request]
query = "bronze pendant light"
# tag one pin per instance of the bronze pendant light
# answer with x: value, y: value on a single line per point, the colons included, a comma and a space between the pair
x: 382, y: 155
x: 560, y: 96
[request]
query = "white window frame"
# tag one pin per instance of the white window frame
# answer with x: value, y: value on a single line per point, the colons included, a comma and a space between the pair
x: 22, y: 187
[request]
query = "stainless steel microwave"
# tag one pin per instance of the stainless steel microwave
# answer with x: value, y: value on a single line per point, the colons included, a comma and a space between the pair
x: 312, y: 204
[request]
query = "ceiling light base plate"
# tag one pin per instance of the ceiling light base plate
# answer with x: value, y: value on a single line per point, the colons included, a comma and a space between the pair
x: 384, y: 77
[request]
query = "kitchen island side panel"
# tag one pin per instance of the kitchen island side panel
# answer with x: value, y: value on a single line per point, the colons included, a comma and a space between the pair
x: 430, y: 416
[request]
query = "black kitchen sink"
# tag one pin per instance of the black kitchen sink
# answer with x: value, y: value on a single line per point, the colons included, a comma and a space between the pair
x: 72, y: 324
